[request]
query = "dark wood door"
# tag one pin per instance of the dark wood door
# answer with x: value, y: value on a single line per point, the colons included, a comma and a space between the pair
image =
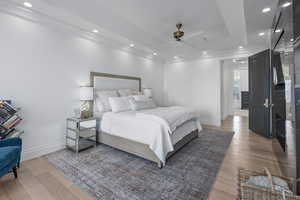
x: 259, y: 93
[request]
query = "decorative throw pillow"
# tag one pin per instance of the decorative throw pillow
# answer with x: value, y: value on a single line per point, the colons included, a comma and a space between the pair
x: 125, y: 92
x: 140, y: 105
x: 120, y: 104
x: 101, y: 99
x: 140, y: 98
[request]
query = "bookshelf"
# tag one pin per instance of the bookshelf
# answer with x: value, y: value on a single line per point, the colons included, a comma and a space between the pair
x: 9, y: 120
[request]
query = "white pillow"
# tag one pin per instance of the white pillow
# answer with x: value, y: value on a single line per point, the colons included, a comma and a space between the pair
x: 140, y: 98
x: 120, y: 104
x: 101, y: 99
x: 125, y: 92
x: 140, y: 105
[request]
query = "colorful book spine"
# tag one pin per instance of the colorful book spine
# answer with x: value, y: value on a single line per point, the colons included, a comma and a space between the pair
x: 16, y: 122
x: 8, y: 108
x: 10, y: 120
x: 7, y: 134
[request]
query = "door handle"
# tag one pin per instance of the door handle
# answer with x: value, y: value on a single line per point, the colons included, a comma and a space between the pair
x: 266, y: 104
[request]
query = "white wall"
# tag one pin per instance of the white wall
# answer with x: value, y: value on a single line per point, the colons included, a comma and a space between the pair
x: 41, y: 70
x: 195, y: 84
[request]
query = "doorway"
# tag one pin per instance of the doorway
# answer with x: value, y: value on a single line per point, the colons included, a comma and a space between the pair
x: 234, y: 88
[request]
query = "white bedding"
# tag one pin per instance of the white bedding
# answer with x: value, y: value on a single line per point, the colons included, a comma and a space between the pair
x: 140, y: 127
x: 169, y: 117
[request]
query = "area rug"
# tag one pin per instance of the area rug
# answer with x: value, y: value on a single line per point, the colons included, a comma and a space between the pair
x: 106, y: 173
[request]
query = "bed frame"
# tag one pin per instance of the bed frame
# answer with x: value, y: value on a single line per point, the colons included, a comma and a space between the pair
x: 130, y: 146
x: 140, y: 149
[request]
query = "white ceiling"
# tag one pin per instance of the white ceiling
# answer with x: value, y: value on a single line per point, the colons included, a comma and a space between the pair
x: 215, y: 26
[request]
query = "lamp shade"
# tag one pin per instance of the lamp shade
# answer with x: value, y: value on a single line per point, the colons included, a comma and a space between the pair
x: 86, y: 93
x: 148, y: 92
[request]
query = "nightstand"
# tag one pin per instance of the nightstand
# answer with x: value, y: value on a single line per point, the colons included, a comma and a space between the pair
x: 81, y: 134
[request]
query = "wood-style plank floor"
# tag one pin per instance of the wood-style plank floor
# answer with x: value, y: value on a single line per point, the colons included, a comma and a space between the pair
x: 247, y: 150
x: 39, y: 180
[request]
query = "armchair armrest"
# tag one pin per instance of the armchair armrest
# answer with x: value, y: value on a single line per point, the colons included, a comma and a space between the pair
x: 10, y: 142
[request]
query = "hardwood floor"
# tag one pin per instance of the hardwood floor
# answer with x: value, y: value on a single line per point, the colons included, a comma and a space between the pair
x: 247, y: 150
x: 39, y: 180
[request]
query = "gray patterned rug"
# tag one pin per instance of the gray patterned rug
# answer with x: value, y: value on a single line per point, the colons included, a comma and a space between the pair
x: 106, y: 173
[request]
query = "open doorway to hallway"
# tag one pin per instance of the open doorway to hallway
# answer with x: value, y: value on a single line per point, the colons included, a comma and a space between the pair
x: 234, y: 88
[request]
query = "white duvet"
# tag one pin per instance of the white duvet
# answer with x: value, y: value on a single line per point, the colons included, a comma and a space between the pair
x: 153, y: 127
x: 169, y: 117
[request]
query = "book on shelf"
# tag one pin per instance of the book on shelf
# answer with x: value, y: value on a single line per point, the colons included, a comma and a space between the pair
x: 14, y: 123
x: 9, y: 119
x: 12, y: 133
x: 9, y: 108
x: 7, y: 133
x: 4, y: 116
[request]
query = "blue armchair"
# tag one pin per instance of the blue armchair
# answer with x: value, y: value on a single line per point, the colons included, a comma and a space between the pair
x: 10, y: 155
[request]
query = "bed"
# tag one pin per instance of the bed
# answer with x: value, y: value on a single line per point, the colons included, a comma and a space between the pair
x: 154, y: 133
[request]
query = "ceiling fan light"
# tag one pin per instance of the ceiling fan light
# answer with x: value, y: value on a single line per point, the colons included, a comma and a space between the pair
x: 27, y: 4
x: 265, y: 10
x: 286, y: 4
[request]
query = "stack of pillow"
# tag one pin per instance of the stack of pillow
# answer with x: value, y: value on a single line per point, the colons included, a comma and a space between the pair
x: 121, y: 100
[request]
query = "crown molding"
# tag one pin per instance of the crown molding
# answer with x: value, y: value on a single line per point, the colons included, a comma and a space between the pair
x: 220, y: 55
x: 107, y: 38
x: 104, y: 37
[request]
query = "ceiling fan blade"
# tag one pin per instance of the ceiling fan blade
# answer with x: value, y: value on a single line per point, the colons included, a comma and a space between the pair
x: 195, y: 34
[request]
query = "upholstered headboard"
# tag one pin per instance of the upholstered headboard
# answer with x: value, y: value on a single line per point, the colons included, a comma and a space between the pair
x: 104, y: 81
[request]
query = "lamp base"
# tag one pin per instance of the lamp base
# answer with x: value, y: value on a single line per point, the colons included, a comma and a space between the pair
x: 85, y: 110
x: 85, y: 114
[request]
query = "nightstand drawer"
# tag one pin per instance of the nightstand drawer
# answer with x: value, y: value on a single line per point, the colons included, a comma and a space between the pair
x: 88, y: 124
x: 90, y: 133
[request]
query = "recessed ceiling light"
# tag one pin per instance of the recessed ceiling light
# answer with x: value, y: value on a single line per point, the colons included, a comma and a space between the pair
x: 131, y: 45
x: 204, y: 52
x: 277, y: 31
x: 241, y: 47
x: 286, y: 4
x: 234, y: 60
x: 265, y: 10
x: 261, y: 34
x: 292, y: 40
x: 95, y: 31
x: 155, y: 54
x: 27, y: 4
x: 175, y: 57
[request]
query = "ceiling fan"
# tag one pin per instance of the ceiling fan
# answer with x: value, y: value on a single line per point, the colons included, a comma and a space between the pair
x: 178, y: 36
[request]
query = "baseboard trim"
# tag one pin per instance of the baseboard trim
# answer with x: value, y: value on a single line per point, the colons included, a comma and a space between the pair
x: 38, y: 151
